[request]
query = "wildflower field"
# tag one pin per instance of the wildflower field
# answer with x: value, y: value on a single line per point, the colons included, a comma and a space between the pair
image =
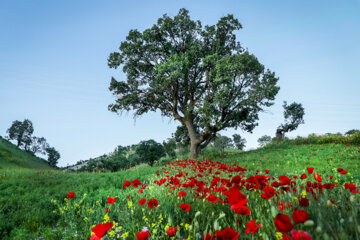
x: 278, y: 192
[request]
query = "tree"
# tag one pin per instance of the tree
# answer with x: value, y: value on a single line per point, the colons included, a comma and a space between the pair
x: 222, y: 142
x: 170, y: 146
x: 192, y: 74
x: 239, y: 142
x: 53, y: 156
x: 149, y: 151
x: 264, y: 140
x: 293, y: 114
x: 38, y: 145
x: 21, y: 132
x: 352, y: 132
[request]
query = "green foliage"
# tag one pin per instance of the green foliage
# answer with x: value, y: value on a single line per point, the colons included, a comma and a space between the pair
x: 38, y: 145
x: 53, y: 156
x: 325, y: 139
x: 149, y: 151
x: 197, y: 75
x: 222, y: 142
x: 239, y: 142
x: 170, y: 146
x: 21, y: 132
x: 264, y: 140
x: 351, y: 132
x: 13, y: 157
x: 294, y: 116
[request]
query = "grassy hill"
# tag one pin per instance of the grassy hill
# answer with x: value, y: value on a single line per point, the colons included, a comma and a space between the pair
x: 28, y: 212
x: 13, y: 157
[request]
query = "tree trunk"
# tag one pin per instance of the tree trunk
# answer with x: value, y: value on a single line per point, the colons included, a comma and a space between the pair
x: 279, y: 135
x: 194, y: 150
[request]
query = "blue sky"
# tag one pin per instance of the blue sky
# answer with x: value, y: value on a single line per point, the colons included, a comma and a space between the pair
x: 53, y: 66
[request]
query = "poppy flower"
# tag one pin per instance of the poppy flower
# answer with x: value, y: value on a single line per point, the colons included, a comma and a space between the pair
x: 300, y: 235
x: 304, y: 202
x: 299, y: 216
x: 269, y: 192
x: 111, y: 200
x: 142, y: 201
x: 70, y: 195
x: 153, y: 203
x: 303, y: 176
x: 127, y: 184
x: 283, y: 223
x: 135, y: 183
x: 285, y: 180
x: 171, y: 231
x: 185, y: 207
x: 241, y: 208
x: 101, y: 229
x: 267, y: 171
x: 227, y: 234
x: 251, y: 227
x: 142, y: 235
x: 310, y: 170
x: 208, y: 236
x: 317, y: 177
x: 182, y: 194
x: 128, y: 197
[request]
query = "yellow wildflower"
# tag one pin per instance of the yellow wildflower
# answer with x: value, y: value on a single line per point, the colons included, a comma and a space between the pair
x: 125, y: 235
x: 106, y: 218
x: 85, y: 219
x: 279, y: 235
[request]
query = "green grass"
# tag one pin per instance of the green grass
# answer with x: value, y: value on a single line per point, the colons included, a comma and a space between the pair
x: 26, y: 208
x: 13, y: 157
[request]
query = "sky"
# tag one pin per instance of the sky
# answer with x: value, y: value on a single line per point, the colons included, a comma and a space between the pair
x: 53, y: 66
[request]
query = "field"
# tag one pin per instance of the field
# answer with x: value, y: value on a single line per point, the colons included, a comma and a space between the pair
x: 188, y: 199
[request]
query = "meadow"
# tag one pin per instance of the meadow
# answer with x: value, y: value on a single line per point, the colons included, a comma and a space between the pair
x: 260, y: 194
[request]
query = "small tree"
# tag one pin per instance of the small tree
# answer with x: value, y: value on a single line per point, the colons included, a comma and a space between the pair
x: 170, y: 146
x: 149, y: 151
x: 38, y: 145
x: 264, y: 140
x: 53, y: 156
x: 293, y: 114
x: 239, y: 142
x: 352, y: 132
x: 21, y: 132
x: 222, y: 142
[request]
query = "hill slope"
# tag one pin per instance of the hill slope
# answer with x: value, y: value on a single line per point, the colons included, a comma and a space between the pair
x: 13, y: 157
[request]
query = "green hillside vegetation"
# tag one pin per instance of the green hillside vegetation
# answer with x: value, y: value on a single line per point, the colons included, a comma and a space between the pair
x: 27, y: 210
x: 13, y: 157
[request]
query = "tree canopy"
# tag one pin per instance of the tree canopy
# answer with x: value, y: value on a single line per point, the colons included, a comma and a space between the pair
x: 294, y: 116
x: 193, y: 74
x: 21, y: 132
x: 53, y: 156
x: 239, y: 142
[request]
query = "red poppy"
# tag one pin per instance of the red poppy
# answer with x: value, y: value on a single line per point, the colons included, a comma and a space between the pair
x: 300, y: 235
x: 107, y: 209
x: 269, y: 192
x: 142, y: 201
x: 135, y: 183
x: 285, y: 180
x: 153, y: 203
x: 283, y: 223
x: 267, y: 171
x: 208, y: 236
x: 303, y: 202
x: 111, y: 200
x: 234, y: 196
x: 299, y: 216
x: 127, y: 184
x: 303, y: 176
x: 142, y: 235
x: 317, y: 177
x: 70, y: 195
x: 182, y: 194
x: 251, y: 227
x: 241, y: 208
x: 310, y: 170
x: 227, y: 234
x: 172, y: 231
x: 128, y: 196
x: 185, y: 207
x: 101, y: 229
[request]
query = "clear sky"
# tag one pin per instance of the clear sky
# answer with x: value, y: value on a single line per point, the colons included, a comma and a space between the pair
x: 53, y: 66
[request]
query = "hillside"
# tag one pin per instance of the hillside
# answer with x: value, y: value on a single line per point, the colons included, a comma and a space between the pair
x: 13, y: 157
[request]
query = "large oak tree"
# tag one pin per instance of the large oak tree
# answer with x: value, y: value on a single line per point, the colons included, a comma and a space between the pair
x: 193, y: 74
